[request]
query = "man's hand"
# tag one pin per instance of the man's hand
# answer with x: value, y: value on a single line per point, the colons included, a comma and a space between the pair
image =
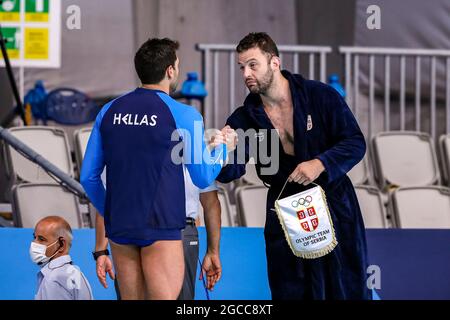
x: 213, y: 269
x: 307, y: 172
x: 227, y: 136
x: 231, y: 138
x: 104, y: 266
x: 217, y: 139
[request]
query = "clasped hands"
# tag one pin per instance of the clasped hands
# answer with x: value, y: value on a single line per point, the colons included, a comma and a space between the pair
x: 227, y: 136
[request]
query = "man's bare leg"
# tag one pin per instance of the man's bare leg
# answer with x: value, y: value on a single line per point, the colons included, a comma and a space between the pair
x: 163, y: 266
x: 127, y: 263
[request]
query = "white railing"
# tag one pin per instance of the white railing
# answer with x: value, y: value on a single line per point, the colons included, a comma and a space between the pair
x: 352, y: 57
x: 219, y: 67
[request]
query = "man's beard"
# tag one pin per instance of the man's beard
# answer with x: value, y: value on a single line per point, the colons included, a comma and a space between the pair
x: 264, y: 84
x: 173, y: 86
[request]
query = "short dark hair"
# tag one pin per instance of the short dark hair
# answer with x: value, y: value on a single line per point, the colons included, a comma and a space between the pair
x: 153, y: 58
x: 260, y: 40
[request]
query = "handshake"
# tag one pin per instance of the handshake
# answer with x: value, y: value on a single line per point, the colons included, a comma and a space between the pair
x: 227, y: 136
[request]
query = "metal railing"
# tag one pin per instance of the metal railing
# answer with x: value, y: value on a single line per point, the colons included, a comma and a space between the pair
x: 353, y: 57
x: 219, y: 67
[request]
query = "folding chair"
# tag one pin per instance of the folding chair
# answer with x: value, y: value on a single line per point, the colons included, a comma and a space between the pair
x: 225, y: 207
x: 372, y: 207
x: 444, y: 146
x: 33, y: 201
x: 359, y: 173
x: 404, y: 159
x: 81, y: 139
x: 251, y: 176
x: 51, y: 143
x: 251, y: 205
x: 421, y: 207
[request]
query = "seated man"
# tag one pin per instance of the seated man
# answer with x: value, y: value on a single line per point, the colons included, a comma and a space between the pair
x: 58, y: 278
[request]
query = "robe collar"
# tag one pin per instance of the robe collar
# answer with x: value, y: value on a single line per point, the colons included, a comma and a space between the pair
x: 254, y: 107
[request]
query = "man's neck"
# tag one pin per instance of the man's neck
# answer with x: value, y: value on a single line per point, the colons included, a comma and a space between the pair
x: 278, y: 94
x: 160, y: 87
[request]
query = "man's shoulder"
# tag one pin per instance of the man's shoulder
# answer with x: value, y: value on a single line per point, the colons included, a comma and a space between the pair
x: 189, y: 110
x: 318, y: 93
x: 111, y: 102
x: 239, y: 111
x: 179, y: 109
x: 239, y: 116
x: 63, y: 273
x: 122, y: 97
x: 317, y: 87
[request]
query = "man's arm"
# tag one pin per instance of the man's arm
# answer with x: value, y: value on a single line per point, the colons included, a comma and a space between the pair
x: 92, y: 168
x: 349, y: 145
x: 212, y: 213
x: 103, y: 263
x: 203, y: 165
x: 240, y: 156
x: 101, y: 242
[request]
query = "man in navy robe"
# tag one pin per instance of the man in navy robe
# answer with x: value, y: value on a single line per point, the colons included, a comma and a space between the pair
x: 320, y: 141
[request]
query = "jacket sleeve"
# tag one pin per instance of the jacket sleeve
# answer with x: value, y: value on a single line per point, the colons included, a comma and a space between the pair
x: 92, y: 168
x: 348, y: 143
x: 235, y: 167
x: 203, y: 165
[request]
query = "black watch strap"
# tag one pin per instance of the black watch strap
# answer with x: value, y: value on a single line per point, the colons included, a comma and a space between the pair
x: 100, y: 253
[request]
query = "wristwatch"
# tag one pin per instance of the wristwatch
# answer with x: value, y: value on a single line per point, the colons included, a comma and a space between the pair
x: 97, y: 254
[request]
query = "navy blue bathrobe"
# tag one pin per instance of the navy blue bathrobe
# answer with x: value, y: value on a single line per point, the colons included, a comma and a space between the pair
x: 334, y: 137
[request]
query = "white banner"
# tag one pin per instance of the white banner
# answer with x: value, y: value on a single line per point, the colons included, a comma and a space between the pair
x: 307, y: 223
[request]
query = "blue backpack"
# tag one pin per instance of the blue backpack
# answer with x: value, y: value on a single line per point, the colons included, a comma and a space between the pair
x: 70, y: 106
x: 36, y: 98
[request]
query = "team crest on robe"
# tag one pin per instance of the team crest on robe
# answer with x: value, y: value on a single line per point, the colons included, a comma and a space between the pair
x: 309, y: 124
x: 259, y: 136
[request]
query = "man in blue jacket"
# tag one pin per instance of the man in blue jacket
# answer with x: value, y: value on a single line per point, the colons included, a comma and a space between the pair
x: 320, y: 142
x: 137, y: 137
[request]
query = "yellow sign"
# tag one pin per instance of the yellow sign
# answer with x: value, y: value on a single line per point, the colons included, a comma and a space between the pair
x: 36, y: 43
x: 32, y: 29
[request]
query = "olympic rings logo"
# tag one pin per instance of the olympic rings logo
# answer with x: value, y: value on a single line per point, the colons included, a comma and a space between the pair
x: 302, y: 202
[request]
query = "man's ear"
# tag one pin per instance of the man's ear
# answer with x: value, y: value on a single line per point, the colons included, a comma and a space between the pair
x: 275, y: 62
x: 62, y: 244
x: 170, y: 72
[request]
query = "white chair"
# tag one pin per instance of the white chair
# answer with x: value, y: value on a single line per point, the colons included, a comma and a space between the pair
x: 33, y: 201
x: 51, y: 143
x: 251, y: 205
x: 404, y: 159
x: 359, y: 173
x: 444, y: 144
x: 81, y: 139
x: 372, y: 207
x: 421, y: 207
x: 225, y: 207
x: 251, y: 176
